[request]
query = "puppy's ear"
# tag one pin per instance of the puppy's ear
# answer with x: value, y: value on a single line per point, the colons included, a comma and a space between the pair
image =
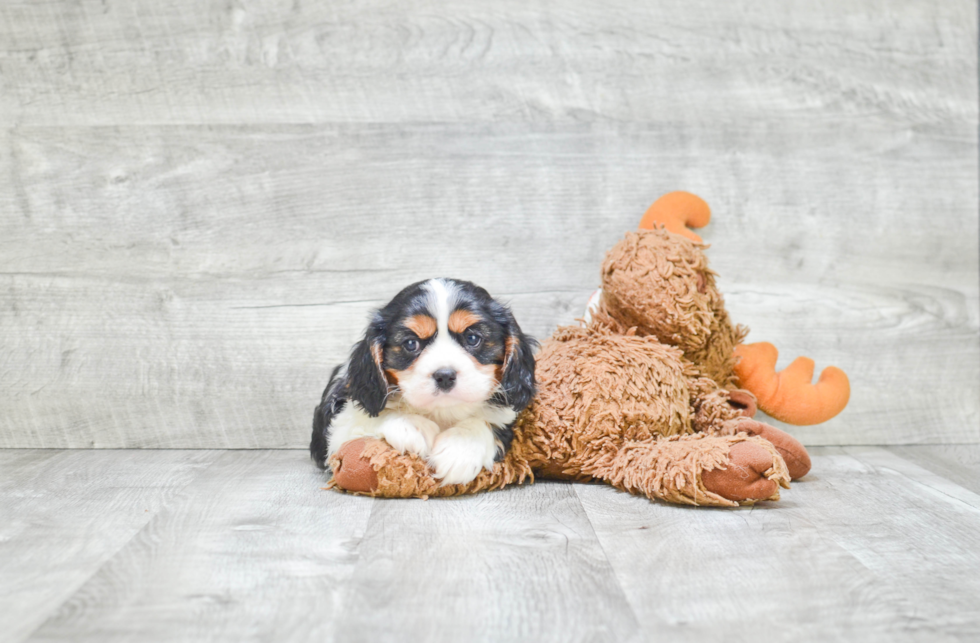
x: 517, y: 380
x: 366, y: 382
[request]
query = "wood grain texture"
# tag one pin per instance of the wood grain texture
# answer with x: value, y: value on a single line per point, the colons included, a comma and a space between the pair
x: 256, y: 551
x: 869, y: 546
x: 199, y: 212
x: 452, y: 61
x: 213, y: 320
x: 519, y: 564
x: 66, y: 513
x: 245, y: 546
x: 958, y: 463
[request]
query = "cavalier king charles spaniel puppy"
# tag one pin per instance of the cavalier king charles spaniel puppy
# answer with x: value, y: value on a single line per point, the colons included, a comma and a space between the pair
x: 442, y: 372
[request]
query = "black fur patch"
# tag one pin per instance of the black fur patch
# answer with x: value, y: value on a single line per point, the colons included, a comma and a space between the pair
x: 366, y: 383
x: 517, y: 384
x: 332, y: 402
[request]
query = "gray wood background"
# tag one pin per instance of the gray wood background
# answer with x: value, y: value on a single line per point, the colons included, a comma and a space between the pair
x: 200, y: 203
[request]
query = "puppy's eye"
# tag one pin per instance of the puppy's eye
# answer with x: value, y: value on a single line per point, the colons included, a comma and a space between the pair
x: 411, y: 345
x: 472, y: 339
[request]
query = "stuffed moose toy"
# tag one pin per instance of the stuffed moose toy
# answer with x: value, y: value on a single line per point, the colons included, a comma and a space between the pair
x: 654, y: 394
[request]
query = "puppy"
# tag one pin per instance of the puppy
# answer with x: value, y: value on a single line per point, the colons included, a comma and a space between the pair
x: 442, y: 372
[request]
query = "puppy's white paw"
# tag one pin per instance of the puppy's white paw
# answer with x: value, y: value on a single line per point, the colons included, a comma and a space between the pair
x: 429, y: 430
x: 409, y: 433
x: 461, y: 452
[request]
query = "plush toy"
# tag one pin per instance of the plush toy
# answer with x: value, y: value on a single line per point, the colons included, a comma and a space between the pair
x: 788, y: 395
x: 644, y: 396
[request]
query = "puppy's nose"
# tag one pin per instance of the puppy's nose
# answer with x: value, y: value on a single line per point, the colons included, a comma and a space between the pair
x: 445, y: 379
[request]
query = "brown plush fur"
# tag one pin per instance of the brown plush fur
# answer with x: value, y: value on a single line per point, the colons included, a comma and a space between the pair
x: 660, y: 284
x: 636, y: 399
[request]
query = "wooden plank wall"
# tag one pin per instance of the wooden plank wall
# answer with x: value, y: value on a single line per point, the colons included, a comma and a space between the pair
x: 200, y: 203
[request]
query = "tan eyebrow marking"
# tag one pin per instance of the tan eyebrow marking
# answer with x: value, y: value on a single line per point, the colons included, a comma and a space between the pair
x: 422, y: 325
x: 460, y: 320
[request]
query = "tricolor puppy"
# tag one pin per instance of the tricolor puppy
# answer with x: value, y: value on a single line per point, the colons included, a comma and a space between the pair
x: 442, y: 372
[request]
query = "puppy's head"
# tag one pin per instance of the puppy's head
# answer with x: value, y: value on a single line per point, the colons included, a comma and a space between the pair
x: 442, y: 343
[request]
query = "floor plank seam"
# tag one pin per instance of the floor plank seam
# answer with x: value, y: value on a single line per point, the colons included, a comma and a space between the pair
x: 612, y: 568
x: 918, y: 480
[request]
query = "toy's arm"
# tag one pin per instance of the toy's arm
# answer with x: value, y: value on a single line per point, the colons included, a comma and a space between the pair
x: 698, y: 469
x: 373, y: 467
x: 790, y: 395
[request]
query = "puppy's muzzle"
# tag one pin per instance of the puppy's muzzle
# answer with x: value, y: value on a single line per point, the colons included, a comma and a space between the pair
x: 445, y: 379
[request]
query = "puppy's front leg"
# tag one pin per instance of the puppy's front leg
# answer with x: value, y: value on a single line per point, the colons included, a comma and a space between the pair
x: 461, y: 451
x: 408, y: 432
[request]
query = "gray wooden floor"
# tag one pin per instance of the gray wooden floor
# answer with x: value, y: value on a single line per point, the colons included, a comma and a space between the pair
x: 877, y: 544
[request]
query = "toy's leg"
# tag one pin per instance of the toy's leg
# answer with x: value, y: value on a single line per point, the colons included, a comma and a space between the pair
x: 793, y: 452
x: 716, y: 411
x: 712, y: 407
x: 371, y: 466
x: 697, y: 469
x: 743, y: 401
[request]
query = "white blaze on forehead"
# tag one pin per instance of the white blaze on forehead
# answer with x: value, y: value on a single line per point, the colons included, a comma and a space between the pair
x: 442, y: 297
x: 474, y: 383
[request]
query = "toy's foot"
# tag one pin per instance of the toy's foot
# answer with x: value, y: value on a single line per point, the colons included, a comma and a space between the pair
x: 743, y: 401
x: 744, y: 477
x: 351, y: 472
x: 794, y: 453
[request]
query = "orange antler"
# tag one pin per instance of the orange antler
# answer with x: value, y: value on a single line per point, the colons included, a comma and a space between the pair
x: 675, y: 211
x: 790, y: 395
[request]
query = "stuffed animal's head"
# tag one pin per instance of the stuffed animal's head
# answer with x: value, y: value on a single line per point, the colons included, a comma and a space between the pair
x: 659, y: 282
